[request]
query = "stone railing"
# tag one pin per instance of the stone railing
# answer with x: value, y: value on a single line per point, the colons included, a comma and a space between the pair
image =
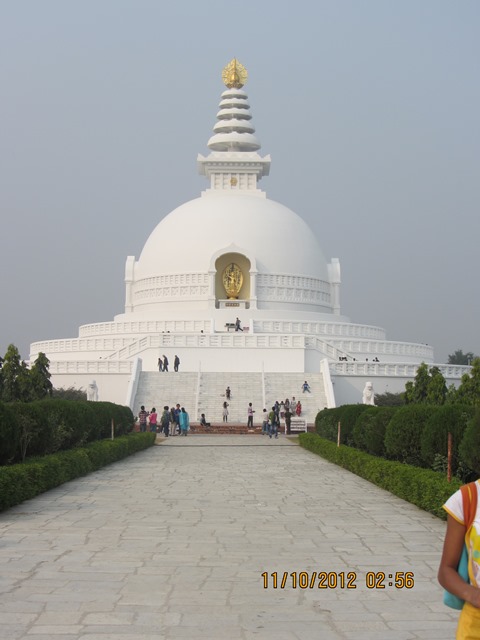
x: 384, y: 348
x: 145, y: 326
x: 91, y: 366
x: 78, y: 344
x: 209, y: 340
x: 392, y: 369
x: 337, y: 329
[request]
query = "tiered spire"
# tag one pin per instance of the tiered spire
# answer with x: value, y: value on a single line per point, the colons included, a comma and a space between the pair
x: 234, y: 129
x: 234, y: 144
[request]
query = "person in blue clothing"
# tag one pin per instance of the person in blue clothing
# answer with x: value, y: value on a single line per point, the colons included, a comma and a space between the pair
x: 177, y: 411
x: 184, y: 421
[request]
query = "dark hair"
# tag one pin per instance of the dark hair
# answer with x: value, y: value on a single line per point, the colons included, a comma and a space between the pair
x: 153, y: 410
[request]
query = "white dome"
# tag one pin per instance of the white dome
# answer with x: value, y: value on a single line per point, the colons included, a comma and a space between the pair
x: 277, y: 238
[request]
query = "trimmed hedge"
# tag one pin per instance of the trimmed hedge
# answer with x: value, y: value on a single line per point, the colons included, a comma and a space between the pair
x: 369, y: 430
x: 9, y: 434
x: 449, y: 418
x: 470, y: 446
x: 21, y: 482
x: 46, y: 426
x: 424, y: 488
x: 404, y: 433
x: 326, y: 423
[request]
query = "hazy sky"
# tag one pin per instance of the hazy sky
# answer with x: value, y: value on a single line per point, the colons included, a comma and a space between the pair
x: 370, y: 110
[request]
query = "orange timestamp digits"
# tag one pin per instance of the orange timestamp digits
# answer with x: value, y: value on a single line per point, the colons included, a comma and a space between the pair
x: 380, y: 580
x: 336, y: 580
x: 310, y: 580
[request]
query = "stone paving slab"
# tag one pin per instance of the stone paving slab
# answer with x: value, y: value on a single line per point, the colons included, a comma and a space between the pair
x: 193, y: 539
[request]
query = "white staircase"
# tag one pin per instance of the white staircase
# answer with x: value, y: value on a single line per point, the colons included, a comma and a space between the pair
x: 280, y: 386
x: 245, y: 388
x: 158, y: 389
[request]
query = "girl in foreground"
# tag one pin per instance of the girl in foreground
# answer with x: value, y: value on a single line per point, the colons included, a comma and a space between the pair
x: 456, y: 537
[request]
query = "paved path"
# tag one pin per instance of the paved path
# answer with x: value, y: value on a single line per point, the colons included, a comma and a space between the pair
x: 172, y: 543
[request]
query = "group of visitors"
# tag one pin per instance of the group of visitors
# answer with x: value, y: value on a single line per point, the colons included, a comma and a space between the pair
x: 270, y: 423
x: 176, y: 416
x: 271, y: 420
x: 163, y: 363
x: 293, y: 406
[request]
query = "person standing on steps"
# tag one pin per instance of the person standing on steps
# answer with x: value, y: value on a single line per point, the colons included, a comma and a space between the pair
x: 288, y: 421
x: 250, y: 413
x: 238, y: 325
x: 272, y: 419
x: 227, y: 393
x: 176, y: 363
x: 166, y: 421
x: 176, y: 416
x: 265, y: 422
x: 160, y: 364
x: 142, y: 419
x: 165, y: 363
x: 153, y: 420
x: 225, y: 411
x: 184, y: 421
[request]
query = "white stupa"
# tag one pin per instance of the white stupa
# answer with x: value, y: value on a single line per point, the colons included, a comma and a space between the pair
x: 232, y: 264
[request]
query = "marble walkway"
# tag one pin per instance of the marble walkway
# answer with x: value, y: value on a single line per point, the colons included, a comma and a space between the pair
x: 221, y: 537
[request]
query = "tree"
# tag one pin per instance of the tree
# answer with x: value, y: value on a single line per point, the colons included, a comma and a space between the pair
x: 69, y: 394
x: 416, y: 392
x: 458, y: 357
x: 469, y: 390
x: 428, y: 387
x: 15, y: 377
x: 437, y: 387
x: 41, y: 386
x: 388, y: 399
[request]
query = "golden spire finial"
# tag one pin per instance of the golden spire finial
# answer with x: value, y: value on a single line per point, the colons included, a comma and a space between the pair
x: 234, y: 74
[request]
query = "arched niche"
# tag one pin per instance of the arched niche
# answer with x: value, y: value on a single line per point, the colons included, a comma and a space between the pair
x: 221, y: 263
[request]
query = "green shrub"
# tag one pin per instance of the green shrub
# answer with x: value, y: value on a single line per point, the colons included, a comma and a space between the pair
x: 326, y: 423
x: 9, y: 434
x: 424, y: 488
x: 42, y: 427
x: 469, y: 449
x: 21, y: 482
x: 349, y: 416
x: 404, y: 432
x: 375, y: 429
x: 449, y: 418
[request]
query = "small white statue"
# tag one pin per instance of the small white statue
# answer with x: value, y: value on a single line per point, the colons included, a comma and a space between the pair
x: 92, y: 392
x: 369, y: 394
